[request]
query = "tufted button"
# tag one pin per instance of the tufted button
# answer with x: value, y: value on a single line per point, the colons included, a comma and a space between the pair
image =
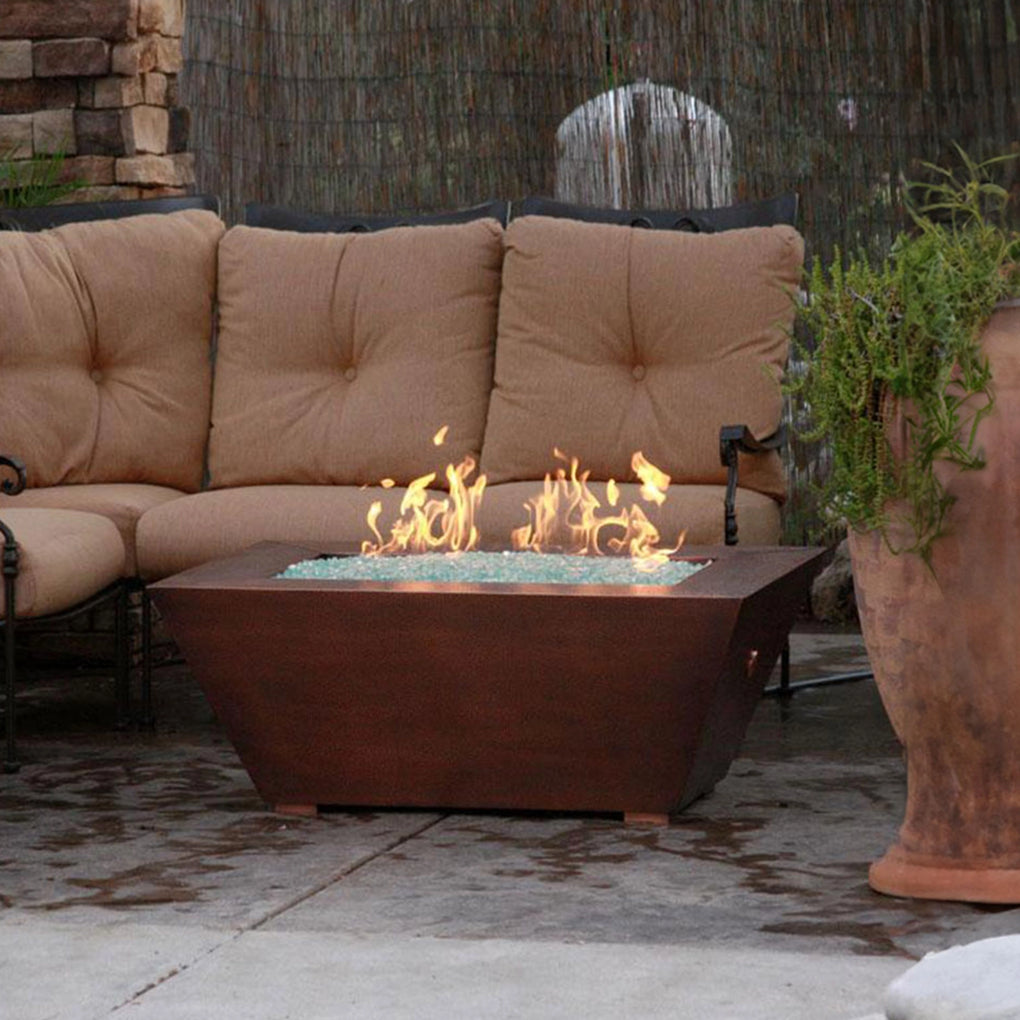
x: 638, y: 371
x: 96, y: 375
x: 350, y: 374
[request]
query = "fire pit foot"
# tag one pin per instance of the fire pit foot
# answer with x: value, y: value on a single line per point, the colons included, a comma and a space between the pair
x: 644, y: 818
x: 298, y: 810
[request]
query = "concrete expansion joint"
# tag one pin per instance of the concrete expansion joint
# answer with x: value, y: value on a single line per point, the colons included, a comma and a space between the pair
x: 234, y: 936
x: 175, y: 971
x: 342, y: 874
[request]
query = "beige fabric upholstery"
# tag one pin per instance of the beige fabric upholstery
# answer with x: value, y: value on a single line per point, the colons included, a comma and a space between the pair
x: 185, y: 532
x: 104, y: 348
x: 613, y: 340
x: 123, y: 504
x: 65, y: 557
x: 694, y: 510
x: 341, y: 355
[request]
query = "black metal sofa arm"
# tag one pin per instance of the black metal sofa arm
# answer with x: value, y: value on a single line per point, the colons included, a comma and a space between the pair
x: 8, y: 486
x: 733, y: 440
x: 11, y: 487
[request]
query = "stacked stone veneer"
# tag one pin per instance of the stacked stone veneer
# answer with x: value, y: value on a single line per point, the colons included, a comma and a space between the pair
x: 96, y: 80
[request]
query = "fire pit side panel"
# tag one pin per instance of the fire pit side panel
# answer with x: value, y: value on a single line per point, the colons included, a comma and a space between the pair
x: 767, y: 614
x: 521, y: 701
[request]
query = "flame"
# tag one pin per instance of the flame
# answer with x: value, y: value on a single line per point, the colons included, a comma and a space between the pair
x: 566, y: 516
x: 428, y: 524
x: 654, y: 482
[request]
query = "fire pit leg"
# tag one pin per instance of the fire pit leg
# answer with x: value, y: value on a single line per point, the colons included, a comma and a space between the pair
x: 644, y: 818
x: 297, y: 810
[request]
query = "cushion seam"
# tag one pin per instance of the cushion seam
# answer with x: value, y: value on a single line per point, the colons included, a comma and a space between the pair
x: 92, y: 332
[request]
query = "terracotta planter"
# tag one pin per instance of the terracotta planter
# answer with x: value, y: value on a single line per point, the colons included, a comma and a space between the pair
x: 945, y: 647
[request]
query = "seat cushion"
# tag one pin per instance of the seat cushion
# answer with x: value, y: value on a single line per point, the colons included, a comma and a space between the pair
x: 696, y: 511
x: 613, y: 340
x: 104, y: 349
x: 185, y: 532
x: 124, y: 504
x: 340, y: 356
x: 65, y: 557
x: 194, y: 529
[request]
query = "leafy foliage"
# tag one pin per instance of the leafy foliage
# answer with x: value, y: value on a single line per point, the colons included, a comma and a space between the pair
x: 895, y: 345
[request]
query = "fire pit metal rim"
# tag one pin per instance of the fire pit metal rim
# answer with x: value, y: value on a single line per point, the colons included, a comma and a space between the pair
x: 734, y: 572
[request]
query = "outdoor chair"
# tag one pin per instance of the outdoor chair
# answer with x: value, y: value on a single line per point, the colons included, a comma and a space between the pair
x: 24, y: 521
x: 733, y: 439
x: 56, y: 564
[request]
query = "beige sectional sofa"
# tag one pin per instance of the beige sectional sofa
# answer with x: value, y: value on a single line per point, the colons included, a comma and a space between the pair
x: 208, y: 388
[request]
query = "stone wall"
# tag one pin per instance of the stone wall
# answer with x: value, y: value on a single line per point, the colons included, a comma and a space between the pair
x: 96, y: 80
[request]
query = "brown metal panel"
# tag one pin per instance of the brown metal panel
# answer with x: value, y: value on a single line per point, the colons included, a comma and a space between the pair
x: 589, y: 698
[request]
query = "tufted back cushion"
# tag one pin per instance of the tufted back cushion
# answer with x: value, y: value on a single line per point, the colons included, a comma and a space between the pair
x: 104, y: 349
x: 341, y: 355
x: 613, y: 340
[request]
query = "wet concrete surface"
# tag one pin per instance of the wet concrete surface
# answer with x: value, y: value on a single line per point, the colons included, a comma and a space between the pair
x: 103, y: 829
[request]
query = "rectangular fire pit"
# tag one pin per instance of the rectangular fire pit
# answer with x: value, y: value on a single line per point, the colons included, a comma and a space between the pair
x: 609, y: 698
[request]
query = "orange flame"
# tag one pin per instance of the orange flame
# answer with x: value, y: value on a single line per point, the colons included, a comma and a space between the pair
x: 654, y: 482
x: 428, y: 524
x: 566, y: 516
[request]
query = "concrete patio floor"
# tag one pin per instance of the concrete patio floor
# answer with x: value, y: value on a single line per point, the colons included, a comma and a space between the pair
x: 141, y: 876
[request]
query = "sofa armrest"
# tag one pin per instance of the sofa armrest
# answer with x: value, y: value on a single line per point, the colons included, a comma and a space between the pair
x: 8, y: 486
x: 10, y: 560
x: 733, y: 440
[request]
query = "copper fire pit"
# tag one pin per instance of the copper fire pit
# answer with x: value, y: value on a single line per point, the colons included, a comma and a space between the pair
x: 609, y: 698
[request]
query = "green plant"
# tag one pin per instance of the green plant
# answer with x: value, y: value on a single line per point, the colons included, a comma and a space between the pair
x: 35, y: 181
x: 896, y: 341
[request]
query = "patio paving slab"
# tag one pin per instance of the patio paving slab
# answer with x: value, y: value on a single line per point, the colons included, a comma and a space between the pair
x: 304, y: 976
x: 149, y: 833
x: 143, y: 868
x: 58, y: 972
x: 775, y: 857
